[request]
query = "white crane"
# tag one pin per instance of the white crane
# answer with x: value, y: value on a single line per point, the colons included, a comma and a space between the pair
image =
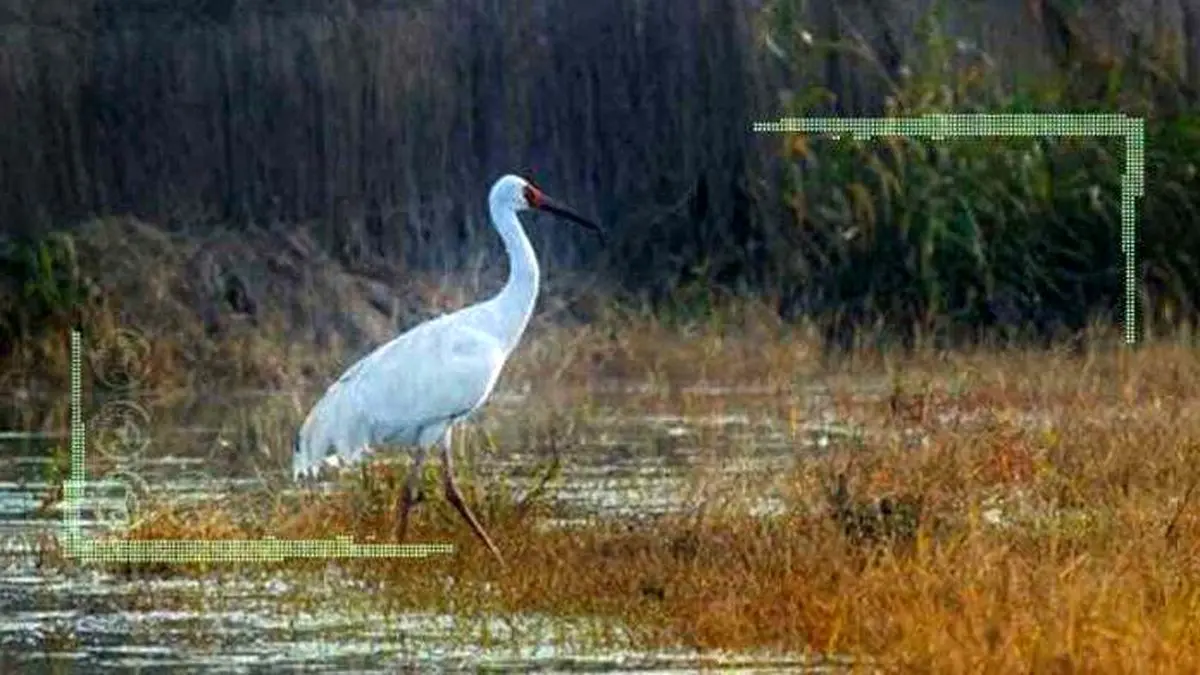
x: 412, y: 390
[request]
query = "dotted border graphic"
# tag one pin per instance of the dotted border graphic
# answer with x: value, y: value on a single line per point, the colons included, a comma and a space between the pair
x: 267, y: 549
x: 940, y: 127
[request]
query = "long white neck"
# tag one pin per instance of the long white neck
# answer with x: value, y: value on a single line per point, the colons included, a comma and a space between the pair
x: 513, y: 305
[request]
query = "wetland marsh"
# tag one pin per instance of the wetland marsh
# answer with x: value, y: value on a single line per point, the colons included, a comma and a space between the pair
x: 992, y: 510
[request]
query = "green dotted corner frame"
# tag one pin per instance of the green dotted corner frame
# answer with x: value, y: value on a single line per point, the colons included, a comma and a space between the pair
x: 87, y: 549
x: 940, y: 126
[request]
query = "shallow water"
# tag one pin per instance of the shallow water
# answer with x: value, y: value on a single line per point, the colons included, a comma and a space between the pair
x: 628, y: 466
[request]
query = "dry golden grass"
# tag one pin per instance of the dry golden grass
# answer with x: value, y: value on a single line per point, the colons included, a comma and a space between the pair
x: 1005, y: 510
x: 1045, y: 523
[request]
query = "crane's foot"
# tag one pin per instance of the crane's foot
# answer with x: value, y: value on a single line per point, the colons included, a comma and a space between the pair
x: 456, y: 500
x: 401, y: 529
x: 407, y: 501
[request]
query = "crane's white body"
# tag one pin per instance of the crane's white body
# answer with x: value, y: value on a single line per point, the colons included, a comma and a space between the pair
x: 394, y: 397
x: 412, y: 390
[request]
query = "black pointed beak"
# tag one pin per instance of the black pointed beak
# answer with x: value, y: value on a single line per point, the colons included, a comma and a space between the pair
x: 549, y: 205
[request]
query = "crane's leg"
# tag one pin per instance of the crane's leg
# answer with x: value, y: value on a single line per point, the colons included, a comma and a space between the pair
x: 455, y: 497
x: 412, y: 494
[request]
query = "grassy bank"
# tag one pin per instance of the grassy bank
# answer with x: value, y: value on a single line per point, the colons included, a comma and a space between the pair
x: 1004, y: 508
x: 1004, y: 511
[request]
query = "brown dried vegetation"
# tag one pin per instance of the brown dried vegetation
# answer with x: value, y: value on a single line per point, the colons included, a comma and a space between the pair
x: 1007, y: 510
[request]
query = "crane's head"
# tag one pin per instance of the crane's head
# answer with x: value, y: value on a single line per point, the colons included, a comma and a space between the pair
x: 517, y: 194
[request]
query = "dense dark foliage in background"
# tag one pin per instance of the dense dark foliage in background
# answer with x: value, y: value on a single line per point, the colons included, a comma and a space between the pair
x: 381, y: 124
